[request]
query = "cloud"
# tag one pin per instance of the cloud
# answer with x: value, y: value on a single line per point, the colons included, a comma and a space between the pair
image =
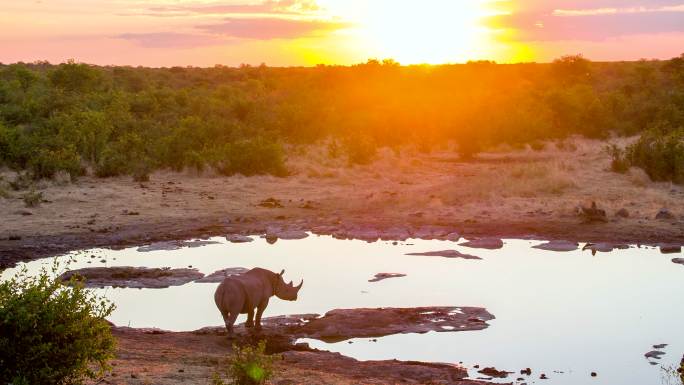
x: 271, y: 28
x: 281, y: 7
x: 616, y: 11
x: 172, y: 39
x: 601, y: 22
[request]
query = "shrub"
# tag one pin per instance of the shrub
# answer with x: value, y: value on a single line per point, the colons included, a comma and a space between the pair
x: 619, y: 162
x: 250, y: 365
x: 660, y: 153
x: 46, y: 163
x: 33, y: 198
x: 250, y: 157
x: 52, y: 333
x: 360, y: 149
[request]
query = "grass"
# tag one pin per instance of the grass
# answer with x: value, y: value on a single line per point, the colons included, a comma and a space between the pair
x: 33, y: 198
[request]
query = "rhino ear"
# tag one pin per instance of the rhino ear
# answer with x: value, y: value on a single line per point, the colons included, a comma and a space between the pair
x: 282, y: 272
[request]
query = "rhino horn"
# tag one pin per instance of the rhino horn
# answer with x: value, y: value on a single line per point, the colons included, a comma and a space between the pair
x: 300, y: 285
x: 282, y: 272
x: 290, y: 284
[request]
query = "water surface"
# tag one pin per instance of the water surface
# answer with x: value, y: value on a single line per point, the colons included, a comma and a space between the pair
x: 563, y: 314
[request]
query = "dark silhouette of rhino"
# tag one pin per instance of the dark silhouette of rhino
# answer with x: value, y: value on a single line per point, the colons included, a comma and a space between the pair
x: 240, y: 294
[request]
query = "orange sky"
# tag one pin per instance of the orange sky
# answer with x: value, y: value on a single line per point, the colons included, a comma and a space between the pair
x: 308, y: 32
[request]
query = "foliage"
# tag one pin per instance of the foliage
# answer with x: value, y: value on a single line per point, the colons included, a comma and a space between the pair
x: 660, y: 153
x: 250, y: 365
x: 50, y: 332
x: 32, y: 198
x: 619, y: 162
x: 74, y: 117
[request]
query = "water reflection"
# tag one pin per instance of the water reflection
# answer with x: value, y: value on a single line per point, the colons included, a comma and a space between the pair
x: 556, y: 312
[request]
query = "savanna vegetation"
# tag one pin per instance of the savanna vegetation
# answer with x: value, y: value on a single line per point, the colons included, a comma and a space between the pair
x: 76, y: 118
x: 52, y: 332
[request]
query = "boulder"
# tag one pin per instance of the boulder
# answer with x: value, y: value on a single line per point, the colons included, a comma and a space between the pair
x: 664, y: 214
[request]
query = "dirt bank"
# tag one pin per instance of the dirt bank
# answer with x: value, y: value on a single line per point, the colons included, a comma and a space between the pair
x: 154, y: 357
x: 519, y: 194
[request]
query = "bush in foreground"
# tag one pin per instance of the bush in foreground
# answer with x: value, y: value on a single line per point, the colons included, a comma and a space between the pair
x: 249, y: 365
x: 51, y: 332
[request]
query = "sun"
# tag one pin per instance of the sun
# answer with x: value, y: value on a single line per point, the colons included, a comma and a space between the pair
x: 412, y: 32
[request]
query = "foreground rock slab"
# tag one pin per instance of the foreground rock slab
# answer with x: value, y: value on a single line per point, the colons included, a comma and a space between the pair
x: 344, y: 324
x: 446, y: 254
x: 679, y: 261
x: 133, y: 277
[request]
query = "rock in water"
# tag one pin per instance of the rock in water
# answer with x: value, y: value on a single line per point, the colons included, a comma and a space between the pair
x: 484, y: 243
x: 380, y: 276
x: 558, y: 246
x: 446, y: 254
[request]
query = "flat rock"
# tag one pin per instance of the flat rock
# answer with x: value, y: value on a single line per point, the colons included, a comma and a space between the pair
x: 669, y: 248
x: 484, y: 243
x: 446, y: 254
x: 604, y: 247
x: 381, y: 276
x: 289, y: 234
x: 679, y: 261
x: 237, y: 238
x: 133, y: 277
x: 558, y: 246
x: 654, y: 354
x: 220, y: 275
x: 174, y: 245
x: 494, y: 372
x: 344, y: 324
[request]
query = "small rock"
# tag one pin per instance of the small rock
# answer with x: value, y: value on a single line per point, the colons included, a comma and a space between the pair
x: 380, y: 276
x: 543, y: 377
x: 453, y: 237
x: 560, y: 246
x: 660, y: 346
x: 271, y: 239
x: 669, y: 248
x: 14, y: 238
x: 654, y: 354
x: 664, y: 214
x: 592, y: 214
x: 270, y: 203
x: 526, y: 371
x: 593, y: 374
x: 493, y: 372
x: 237, y: 238
x: 679, y: 261
x: 622, y: 213
x: 484, y: 243
x: 446, y: 254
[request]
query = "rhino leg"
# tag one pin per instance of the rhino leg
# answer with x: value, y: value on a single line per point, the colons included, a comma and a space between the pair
x: 250, y: 319
x: 229, y: 319
x: 259, y: 313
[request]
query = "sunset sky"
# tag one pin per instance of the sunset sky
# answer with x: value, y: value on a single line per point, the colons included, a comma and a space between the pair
x: 308, y: 32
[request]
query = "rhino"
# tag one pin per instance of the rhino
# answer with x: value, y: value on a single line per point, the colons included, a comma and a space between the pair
x: 241, y: 294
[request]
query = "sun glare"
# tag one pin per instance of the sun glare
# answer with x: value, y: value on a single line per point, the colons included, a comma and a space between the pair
x: 431, y: 31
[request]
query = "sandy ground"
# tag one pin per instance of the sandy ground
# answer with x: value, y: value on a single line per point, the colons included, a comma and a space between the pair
x: 187, y: 358
x: 505, y: 193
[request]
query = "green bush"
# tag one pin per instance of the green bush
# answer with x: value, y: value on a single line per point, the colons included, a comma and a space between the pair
x: 250, y: 365
x: 47, y: 162
x: 660, y: 153
x: 360, y: 149
x: 250, y: 157
x: 50, y: 332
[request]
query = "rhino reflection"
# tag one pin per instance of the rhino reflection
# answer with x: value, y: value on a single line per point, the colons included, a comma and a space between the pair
x: 241, y: 294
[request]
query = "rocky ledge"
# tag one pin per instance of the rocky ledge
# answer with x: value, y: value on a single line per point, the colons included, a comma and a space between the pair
x: 132, y: 277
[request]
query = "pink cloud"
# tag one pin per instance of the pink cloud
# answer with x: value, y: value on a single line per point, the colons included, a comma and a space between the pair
x: 271, y: 28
